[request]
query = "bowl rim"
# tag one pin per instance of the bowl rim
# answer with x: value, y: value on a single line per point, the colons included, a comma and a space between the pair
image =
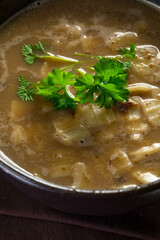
x: 15, y: 171
x: 24, y: 176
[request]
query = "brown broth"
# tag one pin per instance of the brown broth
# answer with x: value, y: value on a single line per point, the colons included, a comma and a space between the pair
x: 28, y: 129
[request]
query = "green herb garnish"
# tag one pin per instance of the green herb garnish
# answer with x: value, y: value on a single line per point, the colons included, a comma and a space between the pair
x: 30, y: 52
x: 128, y: 53
x: 105, y: 87
x: 54, y: 89
x: 26, y: 91
x: 108, y: 83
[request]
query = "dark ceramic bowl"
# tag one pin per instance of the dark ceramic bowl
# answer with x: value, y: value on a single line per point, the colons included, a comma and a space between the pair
x: 66, y: 199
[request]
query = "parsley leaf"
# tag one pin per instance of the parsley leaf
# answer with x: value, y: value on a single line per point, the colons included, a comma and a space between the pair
x: 25, y: 91
x: 85, y: 87
x: 28, y: 52
x: 128, y: 53
x: 109, y: 68
x: 54, y: 89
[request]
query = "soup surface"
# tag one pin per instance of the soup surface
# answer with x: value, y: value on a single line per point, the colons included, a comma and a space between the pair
x: 88, y: 147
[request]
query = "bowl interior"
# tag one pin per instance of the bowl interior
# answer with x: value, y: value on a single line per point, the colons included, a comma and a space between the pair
x: 6, y: 11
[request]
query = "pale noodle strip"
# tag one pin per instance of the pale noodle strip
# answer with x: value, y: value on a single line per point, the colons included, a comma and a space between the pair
x: 145, y: 177
x: 143, y: 152
x: 140, y: 89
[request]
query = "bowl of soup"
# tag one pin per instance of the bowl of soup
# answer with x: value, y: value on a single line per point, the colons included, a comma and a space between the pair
x: 95, y: 151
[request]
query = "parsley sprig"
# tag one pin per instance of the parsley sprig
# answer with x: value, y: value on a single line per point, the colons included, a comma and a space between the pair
x: 30, y: 52
x: 105, y: 87
x: 108, y: 83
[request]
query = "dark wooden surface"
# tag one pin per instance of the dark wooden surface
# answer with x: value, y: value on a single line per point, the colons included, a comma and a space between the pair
x: 12, y: 228
x: 22, y: 218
